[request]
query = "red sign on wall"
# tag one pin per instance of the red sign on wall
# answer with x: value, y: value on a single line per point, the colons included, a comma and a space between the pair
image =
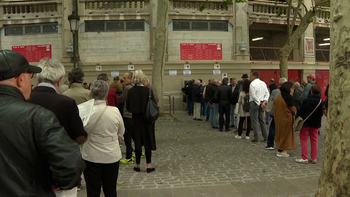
x: 201, y: 51
x: 34, y: 53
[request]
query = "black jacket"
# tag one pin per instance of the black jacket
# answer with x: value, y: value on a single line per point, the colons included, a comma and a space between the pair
x: 35, y: 150
x: 211, y: 91
x: 307, y: 107
x: 224, y: 94
x: 63, y: 107
x: 235, y: 93
x: 196, y: 95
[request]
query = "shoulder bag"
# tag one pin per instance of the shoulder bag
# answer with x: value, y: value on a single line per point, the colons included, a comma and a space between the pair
x: 152, y: 110
x: 299, y: 122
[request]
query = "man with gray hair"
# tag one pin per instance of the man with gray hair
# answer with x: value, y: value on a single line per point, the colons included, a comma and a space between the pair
x: 271, y: 109
x: 65, y: 108
x: 296, y: 95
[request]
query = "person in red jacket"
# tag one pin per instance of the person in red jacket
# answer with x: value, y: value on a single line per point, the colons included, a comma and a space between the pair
x: 112, y: 97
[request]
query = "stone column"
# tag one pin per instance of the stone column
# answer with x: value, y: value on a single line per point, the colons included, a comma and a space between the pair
x: 241, y: 32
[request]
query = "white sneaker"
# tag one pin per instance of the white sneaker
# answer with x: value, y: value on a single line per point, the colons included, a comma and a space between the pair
x: 282, y: 154
x: 301, y: 161
x: 238, y: 137
x: 247, y: 137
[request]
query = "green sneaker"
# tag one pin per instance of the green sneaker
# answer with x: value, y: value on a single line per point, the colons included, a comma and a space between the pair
x: 127, y: 161
x: 142, y: 155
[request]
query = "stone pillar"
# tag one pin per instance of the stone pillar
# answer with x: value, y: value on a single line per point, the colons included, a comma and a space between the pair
x: 67, y: 37
x: 308, y: 40
x: 153, y: 4
x: 241, y: 32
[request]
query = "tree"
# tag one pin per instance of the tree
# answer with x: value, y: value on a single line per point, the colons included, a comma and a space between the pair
x: 160, y: 49
x: 335, y: 176
x: 294, y: 12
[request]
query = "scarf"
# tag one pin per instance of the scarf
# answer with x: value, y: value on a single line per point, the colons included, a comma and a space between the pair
x: 288, y: 98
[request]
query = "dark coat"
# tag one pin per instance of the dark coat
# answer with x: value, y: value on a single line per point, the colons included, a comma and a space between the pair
x: 223, y: 94
x: 62, y: 106
x: 307, y: 107
x: 211, y: 93
x: 196, y: 94
x: 143, y: 132
x: 36, y: 151
x: 235, y: 93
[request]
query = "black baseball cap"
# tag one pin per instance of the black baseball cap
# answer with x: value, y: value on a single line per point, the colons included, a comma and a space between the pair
x: 13, y: 64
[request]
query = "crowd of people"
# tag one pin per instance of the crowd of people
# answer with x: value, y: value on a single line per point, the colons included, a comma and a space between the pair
x: 249, y: 103
x: 41, y: 129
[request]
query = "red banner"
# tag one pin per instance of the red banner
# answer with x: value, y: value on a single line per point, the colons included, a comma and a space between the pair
x: 34, y: 53
x: 201, y: 51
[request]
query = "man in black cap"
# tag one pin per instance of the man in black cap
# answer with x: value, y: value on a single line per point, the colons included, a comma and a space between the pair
x: 36, y: 154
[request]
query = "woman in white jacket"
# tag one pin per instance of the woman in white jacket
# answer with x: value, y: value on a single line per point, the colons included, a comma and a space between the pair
x: 101, y: 152
x: 243, y: 115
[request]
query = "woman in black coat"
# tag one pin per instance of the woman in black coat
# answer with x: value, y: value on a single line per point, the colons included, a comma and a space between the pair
x: 143, y: 132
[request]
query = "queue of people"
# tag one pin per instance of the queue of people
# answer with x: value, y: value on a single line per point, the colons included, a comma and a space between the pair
x: 269, y: 110
x: 41, y: 130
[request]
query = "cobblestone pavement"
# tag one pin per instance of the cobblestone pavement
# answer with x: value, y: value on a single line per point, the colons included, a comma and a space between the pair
x: 193, y: 159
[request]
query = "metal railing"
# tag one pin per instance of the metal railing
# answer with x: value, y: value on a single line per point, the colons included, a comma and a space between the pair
x: 194, y: 5
x: 322, y: 55
x: 266, y: 54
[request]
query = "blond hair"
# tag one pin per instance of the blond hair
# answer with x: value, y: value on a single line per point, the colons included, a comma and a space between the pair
x: 139, y: 77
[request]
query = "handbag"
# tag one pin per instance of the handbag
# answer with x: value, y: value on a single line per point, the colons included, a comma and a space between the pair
x: 152, y: 110
x: 299, y: 122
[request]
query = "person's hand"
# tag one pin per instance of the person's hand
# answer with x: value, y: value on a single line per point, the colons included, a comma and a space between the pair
x: 325, y: 111
x: 54, y: 188
x: 263, y: 105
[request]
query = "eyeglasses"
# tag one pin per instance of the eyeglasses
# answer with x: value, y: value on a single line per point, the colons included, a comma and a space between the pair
x: 32, y: 74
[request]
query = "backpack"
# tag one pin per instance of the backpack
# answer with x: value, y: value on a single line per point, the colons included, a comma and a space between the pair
x: 246, y: 103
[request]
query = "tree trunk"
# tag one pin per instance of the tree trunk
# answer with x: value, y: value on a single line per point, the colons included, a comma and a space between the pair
x: 291, y: 40
x: 335, y: 176
x: 160, y: 49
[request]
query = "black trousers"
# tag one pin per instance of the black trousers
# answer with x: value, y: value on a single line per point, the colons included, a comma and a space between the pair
x: 224, y: 109
x: 128, y: 137
x: 99, y: 173
x: 240, y: 125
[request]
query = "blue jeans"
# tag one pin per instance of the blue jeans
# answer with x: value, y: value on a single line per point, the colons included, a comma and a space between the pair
x: 203, y: 107
x: 272, y: 131
x: 208, y: 111
x: 214, y: 115
x: 232, y: 114
x: 267, y: 114
x: 190, y: 105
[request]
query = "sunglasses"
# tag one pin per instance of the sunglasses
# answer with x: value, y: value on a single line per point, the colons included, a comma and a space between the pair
x: 32, y: 74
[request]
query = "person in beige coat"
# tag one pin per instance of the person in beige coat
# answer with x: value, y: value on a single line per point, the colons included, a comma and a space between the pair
x: 242, y: 114
x: 284, y: 112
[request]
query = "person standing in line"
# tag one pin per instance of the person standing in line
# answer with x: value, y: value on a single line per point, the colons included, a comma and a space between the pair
x: 206, y: 98
x: 37, y: 155
x: 214, y: 103
x: 311, y: 79
x: 118, y: 87
x: 112, y: 97
x: 63, y: 87
x: 271, y: 88
x: 242, y: 113
x: 235, y: 95
x: 283, y: 116
x: 203, y: 110
x: 101, y: 152
x: 223, y: 95
x: 271, y: 109
x: 189, y: 97
x: 196, y: 98
x: 311, y: 125
x: 296, y: 96
x: 258, y: 97
x: 127, y: 117
x: 143, y: 132
x: 77, y: 91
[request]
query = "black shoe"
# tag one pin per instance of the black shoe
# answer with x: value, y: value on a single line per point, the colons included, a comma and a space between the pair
x: 232, y: 125
x: 215, y: 127
x: 228, y: 130
x: 220, y: 130
x: 137, y: 169
x: 149, y: 170
x: 255, y: 141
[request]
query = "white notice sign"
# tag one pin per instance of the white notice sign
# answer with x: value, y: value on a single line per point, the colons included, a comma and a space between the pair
x: 85, y: 110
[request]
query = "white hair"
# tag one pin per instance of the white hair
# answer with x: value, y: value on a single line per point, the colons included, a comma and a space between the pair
x: 52, y: 70
x: 282, y: 80
x: 99, y: 89
x: 139, y: 77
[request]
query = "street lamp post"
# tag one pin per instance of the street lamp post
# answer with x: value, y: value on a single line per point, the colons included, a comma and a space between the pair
x: 74, y: 24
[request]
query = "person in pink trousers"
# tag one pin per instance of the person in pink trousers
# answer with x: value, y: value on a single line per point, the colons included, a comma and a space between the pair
x: 311, y: 105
